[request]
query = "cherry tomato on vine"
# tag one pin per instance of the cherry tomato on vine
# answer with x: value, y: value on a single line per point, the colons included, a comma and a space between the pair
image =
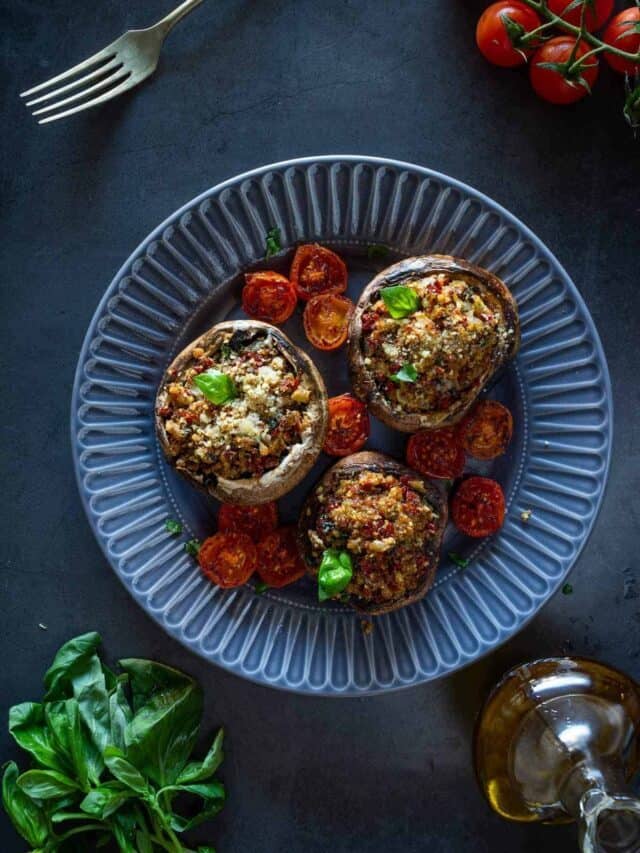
x: 268, y: 296
x: 478, y: 507
x: 279, y: 561
x: 228, y: 559
x: 326, y: 320
x: 492, y: 35
x: 549, y: 83
x: 255, y: 521
x: 348, y: 427
x: 623, y: 31
x: 316, y: 269
x: 436, y: 453
x: 596, y: 15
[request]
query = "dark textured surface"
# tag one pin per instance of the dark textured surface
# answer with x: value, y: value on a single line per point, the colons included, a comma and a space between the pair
x: 242, y: 84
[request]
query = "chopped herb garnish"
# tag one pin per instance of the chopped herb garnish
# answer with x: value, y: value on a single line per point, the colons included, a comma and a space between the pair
x: 272, y: 242
x: 217, y: 387
x: 458, y: 560
x: 172, y: 526
x: 567, y: 589
x: 225, y: 351
x: 377, y: 252
x: 407, y: 373
x: 400, y: 301
x: 260, y: 587
x: 192, y: 547
x: 336, y: 570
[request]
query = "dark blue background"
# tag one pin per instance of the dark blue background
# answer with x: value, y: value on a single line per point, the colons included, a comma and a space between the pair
x: 241, y: 84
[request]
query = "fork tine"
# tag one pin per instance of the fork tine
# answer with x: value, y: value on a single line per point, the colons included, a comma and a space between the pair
x: 107, y: 53
x: 115, y: 62
x: 116, y: 77
x: 129, y: 83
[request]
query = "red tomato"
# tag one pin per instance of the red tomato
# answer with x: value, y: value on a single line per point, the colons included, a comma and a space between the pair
x: 487, y: 429
x: 252, y: 520
x: 317, y: 270
x: 623, y: 32
x: 478, y: 507
x: 228, y: 559
x: 326, y: 320
x: 549, y: 84
x: 279, y: 561
x: 596, y: 15
x: 493, y: 39
x: 268, y: 296
x: 436, y: 453
x: 348, y: 426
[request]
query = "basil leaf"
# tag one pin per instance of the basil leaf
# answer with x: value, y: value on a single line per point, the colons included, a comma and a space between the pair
x: 124, y: 770
x: 63, y: 718
x: 70, y: 656
x: 172, y: 526
x: 334, y: 574
x: 195, y: 771
x: 28, y: 728
x: 61, y: 816
x: 272, y: 242
x: 90, y: 692
x: 143, y: 843
x: 105, y: 800
x: 376, y: 251
x: 124, y: 825
x: 45, y: 784
x: 407, y: 373
x: 167, y: 708
x: 260, y: 587
x: 217, y: 387
x: 400, y: 301
x: 120, y: 714
x: 27, y: 817
x: 458, y: 560
x: 192, y: 547
x: 213, y: 795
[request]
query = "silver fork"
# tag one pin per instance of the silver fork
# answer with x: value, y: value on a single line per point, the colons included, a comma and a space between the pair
x: 123, y: 64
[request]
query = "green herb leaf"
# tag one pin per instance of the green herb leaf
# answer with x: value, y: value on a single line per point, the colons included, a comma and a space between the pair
x: 27, y: 817
x: 196, y: 771
x: 217, y: 387
x: 400, y: 301
x: 377, y: 252
x: 105, y: 800
x: 272, y: 242
x: 213, y: 795
x: 334, y: 574
x: 45, y: 784
x: 458, y: 560
x: 407, y: 373
x: 120, y: 714
x: 260, y: 587
x: 124, y: 770
x: 172, y: 526
x: 225, y: 351
x: 27, y: 726
x: 72, y: 655
x: 567, y: 589
x: 192, y: 547
x: 631, y: 108
x: 144, y: 843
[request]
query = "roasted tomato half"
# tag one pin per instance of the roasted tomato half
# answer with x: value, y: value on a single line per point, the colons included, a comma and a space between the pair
x: 478, y: 507
x: 255, y: 521
x: 279, y: 561
x: 228, y: 559
x: 348, y: 427
x: 268, y: 296
x: 326, y: 320
x: 486, y: 431
x: 436, y: 453
x: 317, y: 270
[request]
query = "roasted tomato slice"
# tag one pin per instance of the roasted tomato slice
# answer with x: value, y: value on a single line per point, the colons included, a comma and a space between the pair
x: 279, y: 561
x: 478, y: 507
x: 487, y: 429
x: 228, y: 559
x: 268, y: 296
x: 348, y: 426
x: 317, y: 270
x: 326, y: 320
x: 255, y: 521
x: 436, y: 453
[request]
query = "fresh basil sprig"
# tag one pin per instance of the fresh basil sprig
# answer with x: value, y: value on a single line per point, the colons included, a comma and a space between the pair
x: 217, y: 387
x: 110, y: 754
x: 400, y: 301
x: 407, y: 373
x: 334, y: 574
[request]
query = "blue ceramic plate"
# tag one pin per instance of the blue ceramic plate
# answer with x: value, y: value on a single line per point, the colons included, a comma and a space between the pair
x: 187, y: 275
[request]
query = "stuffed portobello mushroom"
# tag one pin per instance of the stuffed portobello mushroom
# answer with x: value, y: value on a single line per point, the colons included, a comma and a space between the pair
x: 426, y: 336
x: 242, y: 413
x: 386, y: 520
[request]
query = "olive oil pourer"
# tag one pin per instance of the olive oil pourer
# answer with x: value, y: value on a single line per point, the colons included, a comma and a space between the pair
x: 559, y: 740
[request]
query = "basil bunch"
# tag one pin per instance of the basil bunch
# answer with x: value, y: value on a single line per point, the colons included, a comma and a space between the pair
x: 110, y: 754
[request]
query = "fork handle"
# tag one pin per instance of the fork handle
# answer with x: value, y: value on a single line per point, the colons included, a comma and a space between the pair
x: 167, y: 23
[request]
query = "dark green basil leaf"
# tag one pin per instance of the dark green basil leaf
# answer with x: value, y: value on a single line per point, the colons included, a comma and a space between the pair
x: 124, y: 825
x: 213, y: 795
x: 407, y: 373
x: 458, y: 560
x: 217, y: 387
x: 198, y: 770
x: 46, y: 784
x: 172, y: 526
x: 334, y: 574
x: 377, y: 252
x: 192, y: 547
x: 105, y: 800
x: 124, y: 770
x: 63, y: 718
x: 400, y: 301
x: 272, y: 242
x: 73, y: 654
x: 62, y: 816
x: 28, y: 728
x: 143, y: 843
x: 120, y: 714
x: 260, y: 587
x: 27, y: 817
x: 167, y: 710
